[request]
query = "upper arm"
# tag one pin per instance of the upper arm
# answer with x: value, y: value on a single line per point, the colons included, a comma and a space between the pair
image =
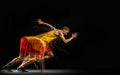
x: 62, y: 37
x: 54, y: 28
x: 51, y: 26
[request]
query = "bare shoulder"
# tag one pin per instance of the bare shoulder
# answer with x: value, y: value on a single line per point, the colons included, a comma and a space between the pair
x: 59, y: 30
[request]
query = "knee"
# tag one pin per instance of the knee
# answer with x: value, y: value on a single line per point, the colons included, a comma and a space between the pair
x: 33, y: 59
x: 52, y: 55
x: 20, y: 58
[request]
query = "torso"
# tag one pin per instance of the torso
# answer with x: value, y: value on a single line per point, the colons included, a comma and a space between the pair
x: 47, y: 37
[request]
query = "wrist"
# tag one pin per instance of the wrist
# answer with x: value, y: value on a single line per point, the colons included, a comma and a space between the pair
x: 43, y: 22
x: 72, y: 37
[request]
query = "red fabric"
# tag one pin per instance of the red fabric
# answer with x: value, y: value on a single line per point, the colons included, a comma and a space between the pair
x: 25, y: 47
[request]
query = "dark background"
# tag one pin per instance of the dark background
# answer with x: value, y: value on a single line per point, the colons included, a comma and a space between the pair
x: 93, y: 50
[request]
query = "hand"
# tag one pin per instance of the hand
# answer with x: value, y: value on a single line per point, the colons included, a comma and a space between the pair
x: 75, y: 35
x: 40, y: 21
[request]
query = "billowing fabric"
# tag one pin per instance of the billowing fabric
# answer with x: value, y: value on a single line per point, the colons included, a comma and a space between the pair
x: 37, y: 44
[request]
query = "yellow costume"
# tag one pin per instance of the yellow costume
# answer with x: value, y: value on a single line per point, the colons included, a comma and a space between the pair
x: 42, y: 40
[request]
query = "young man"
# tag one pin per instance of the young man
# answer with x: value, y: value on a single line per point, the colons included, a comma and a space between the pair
x: 37, y: 46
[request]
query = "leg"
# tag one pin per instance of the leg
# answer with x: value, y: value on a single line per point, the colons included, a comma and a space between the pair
x: 22, y: 54
x: 42, y: 62
x: 15, y: 60
x: 28, y: 60
x: 31, y: 59
x: 43, y: 57
x: 49, y: 55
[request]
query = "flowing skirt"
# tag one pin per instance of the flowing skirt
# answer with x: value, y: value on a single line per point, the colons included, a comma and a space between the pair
x: 33, y: 46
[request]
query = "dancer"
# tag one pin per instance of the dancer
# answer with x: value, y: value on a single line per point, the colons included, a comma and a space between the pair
x: 36, y: 48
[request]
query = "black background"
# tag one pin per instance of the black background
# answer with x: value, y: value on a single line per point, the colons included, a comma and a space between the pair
x: 93, y: 50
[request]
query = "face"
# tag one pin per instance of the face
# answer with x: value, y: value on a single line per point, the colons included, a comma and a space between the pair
x: 65, y: 32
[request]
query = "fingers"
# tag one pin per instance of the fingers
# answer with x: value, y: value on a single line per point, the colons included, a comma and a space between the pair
x: 40, y: 21
x: 75, y: 35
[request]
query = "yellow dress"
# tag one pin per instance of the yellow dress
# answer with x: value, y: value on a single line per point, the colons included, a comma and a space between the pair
x: 42, y: 40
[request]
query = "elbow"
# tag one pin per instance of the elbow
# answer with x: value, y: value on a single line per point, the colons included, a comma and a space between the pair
x: 65, y: 42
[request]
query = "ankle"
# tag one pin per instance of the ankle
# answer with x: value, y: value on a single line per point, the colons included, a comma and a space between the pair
x: 21, y: 67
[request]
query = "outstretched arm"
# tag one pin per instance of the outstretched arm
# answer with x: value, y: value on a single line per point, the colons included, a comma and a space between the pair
x: 69, y: 39
x: 47, y: 24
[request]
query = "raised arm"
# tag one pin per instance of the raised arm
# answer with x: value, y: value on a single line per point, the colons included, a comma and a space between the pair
x: 47, y: 24
x: 69, y: 39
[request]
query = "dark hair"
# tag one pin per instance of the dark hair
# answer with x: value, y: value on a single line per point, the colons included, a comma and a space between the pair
x: 66, y: 28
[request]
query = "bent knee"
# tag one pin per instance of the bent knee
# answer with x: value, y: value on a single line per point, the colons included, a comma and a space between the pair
x: 20, y: 58
x: 50, y: 54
